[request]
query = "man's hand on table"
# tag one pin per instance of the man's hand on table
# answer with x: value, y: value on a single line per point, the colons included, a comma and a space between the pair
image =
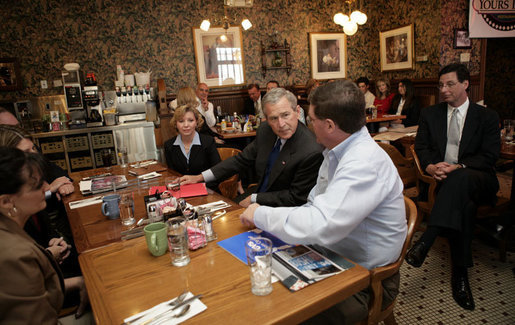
x: 247, y: 217
x: 246, y: 202
x: 191, y: 179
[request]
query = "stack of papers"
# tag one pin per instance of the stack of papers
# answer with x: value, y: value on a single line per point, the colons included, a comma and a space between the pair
x: 102, y: 184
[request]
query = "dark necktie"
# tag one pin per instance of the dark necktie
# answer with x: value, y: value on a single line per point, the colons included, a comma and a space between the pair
x: 271, y: 160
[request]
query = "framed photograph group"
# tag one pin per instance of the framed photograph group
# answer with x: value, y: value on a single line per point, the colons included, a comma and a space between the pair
x: 328, y: 53
x: 397, y: 50
x: 219, y: 56
x: 10, y: 78
x: 461, y: 39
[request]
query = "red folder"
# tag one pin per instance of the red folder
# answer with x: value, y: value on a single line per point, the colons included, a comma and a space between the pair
x: 190, y: 190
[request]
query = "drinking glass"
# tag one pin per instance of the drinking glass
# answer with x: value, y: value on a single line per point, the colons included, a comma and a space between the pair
x: 122, y: 157
x: 126, y: 206
x: 106, y: 158
x: 178, y: 241
x: 259, y: 259
x: 508, y: 130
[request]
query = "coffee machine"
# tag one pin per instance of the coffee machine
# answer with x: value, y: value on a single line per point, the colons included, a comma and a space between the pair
x: 73, y: 95
x: 92, y: 101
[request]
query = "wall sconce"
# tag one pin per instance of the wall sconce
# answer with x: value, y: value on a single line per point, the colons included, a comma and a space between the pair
x: 351, y: 21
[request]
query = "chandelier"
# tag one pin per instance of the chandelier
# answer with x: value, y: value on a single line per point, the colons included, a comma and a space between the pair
x: 351, y: 21
x: 245, y: 23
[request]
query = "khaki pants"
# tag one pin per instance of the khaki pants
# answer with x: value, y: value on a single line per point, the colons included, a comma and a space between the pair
x: 355, y: 308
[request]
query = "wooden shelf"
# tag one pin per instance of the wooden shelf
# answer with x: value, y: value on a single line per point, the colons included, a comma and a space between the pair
x: 282, y: 52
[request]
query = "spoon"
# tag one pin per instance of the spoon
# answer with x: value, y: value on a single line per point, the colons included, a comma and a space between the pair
x: 172, y: 303
x: 181, y: 313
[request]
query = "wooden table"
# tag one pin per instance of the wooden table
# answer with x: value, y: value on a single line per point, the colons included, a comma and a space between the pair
x: 236, y: 135
x: 91, y: 229
x: 385, y: 118
x: 124, y: 279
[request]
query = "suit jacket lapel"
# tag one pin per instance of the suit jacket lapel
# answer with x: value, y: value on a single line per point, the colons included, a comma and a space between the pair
x: 284, y: 156
x: 471, y: 125
x: 194, y: 151
x: 440, y: 129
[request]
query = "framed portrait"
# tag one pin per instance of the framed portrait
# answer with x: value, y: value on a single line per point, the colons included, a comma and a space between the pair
x: 397, y: 49
x: 328, y: 54
x: 10, y: 78
x: 461, y: 39
x: 219, y: 56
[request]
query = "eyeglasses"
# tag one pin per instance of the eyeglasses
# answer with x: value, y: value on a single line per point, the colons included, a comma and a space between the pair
x: 449, y: 85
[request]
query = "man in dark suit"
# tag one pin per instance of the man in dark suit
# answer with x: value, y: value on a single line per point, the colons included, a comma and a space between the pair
x: 284, y: 155
x: 458, y: 144
x: 253, y: 104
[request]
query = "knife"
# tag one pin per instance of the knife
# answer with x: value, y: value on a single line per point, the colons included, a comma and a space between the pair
x: 187, y: 301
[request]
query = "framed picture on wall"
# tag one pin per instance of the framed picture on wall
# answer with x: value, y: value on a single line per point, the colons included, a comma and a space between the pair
x: 219, y: 56
x: 461, y: 39
x: 328, y: 55
x: 10, y: 78
x: 397, y: 49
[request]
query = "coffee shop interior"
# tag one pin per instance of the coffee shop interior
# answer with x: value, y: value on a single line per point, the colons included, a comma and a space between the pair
x: 87, y: 78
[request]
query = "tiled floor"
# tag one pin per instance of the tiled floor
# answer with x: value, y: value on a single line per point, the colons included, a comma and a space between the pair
x: 425, y: 293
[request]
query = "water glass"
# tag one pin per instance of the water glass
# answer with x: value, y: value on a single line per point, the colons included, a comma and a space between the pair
x: 127, y: 209
x: 508, y: 130
x: 259, y: 259
x: 122, y: 157
x: 178, y: 241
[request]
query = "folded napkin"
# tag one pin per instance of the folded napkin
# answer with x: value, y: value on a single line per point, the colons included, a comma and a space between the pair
x: 149, y: 175
x: 196, y: 307
x: 85, y: 202
x: 214, y: 206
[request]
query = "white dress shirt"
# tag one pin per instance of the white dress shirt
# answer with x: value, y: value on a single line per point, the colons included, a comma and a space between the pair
x: 356, y: 207
x: 258, y: 109
x: 369, y: 99
x: 461, y: 115
x: 209, y: 115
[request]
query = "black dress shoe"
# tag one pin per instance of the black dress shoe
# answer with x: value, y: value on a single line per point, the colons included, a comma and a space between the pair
x: 461, y: 292
x: 417, y: 254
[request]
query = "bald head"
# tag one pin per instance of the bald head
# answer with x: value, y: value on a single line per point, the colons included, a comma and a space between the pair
x: 7, y: 118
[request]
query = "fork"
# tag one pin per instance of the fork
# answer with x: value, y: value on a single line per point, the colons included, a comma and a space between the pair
x: 172, y: 303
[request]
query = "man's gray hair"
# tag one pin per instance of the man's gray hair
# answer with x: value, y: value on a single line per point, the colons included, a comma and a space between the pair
x: 275, y: 95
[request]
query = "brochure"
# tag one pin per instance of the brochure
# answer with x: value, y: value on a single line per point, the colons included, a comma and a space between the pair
x: 102, y: 184
x: 295, y: 266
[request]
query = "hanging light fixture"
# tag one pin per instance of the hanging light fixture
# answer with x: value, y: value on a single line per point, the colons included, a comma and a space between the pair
x: 245, y: 23
x: 351, y: 21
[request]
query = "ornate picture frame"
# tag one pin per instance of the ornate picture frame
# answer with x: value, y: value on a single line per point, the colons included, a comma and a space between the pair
x: 10, y: 78
x: 220, y: 63
x: 328, y: 55
x: 462, y: 39
x: 397, y: 49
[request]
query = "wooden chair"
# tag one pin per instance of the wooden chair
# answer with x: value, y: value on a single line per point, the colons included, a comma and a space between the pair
x: 483, y: 211
x: 377, y: 275
x: 229, y: 187
x: 405, y: 166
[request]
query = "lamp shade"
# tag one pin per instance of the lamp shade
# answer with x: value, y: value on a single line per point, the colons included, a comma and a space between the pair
x: 350, y: 28
x: 246, y: 24
x: 362, y: 19
x: 355, y: 15
x: 340, y: 18
x: 205, y: 25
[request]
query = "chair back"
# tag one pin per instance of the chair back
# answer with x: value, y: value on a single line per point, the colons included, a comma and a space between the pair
x: 425, y: 184
x: 405, y: 166
x: 229, y: 187
x: 377, y: 275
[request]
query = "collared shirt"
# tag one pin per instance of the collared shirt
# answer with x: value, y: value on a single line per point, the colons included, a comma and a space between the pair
x: 461, y: 115
x: 253, y: 196
x: 259, y: 109
x: 400, y: 107
x: 209, y: 115
x: 369, y: 99
x: 356, y: 207
x: 178, y: 142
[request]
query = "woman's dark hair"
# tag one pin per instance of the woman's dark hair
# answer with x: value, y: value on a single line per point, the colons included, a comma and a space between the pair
x: 17, y: 167
x: 410, y: 92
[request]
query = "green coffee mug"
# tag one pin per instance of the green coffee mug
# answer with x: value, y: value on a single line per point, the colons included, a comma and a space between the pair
x: 156, y: 236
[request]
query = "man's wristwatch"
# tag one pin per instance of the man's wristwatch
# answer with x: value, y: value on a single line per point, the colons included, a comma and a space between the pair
x: 458, y: 166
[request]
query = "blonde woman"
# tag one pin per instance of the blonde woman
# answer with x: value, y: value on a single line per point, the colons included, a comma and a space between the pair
x: 384, y: 98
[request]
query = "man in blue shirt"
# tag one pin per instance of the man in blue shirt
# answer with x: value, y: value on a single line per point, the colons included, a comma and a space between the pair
x: 356, y: 207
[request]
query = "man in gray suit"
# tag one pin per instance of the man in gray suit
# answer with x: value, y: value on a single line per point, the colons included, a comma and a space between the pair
x: 284, y: 155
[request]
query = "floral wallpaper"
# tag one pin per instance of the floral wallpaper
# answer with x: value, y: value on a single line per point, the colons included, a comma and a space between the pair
x: 156, y: 35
